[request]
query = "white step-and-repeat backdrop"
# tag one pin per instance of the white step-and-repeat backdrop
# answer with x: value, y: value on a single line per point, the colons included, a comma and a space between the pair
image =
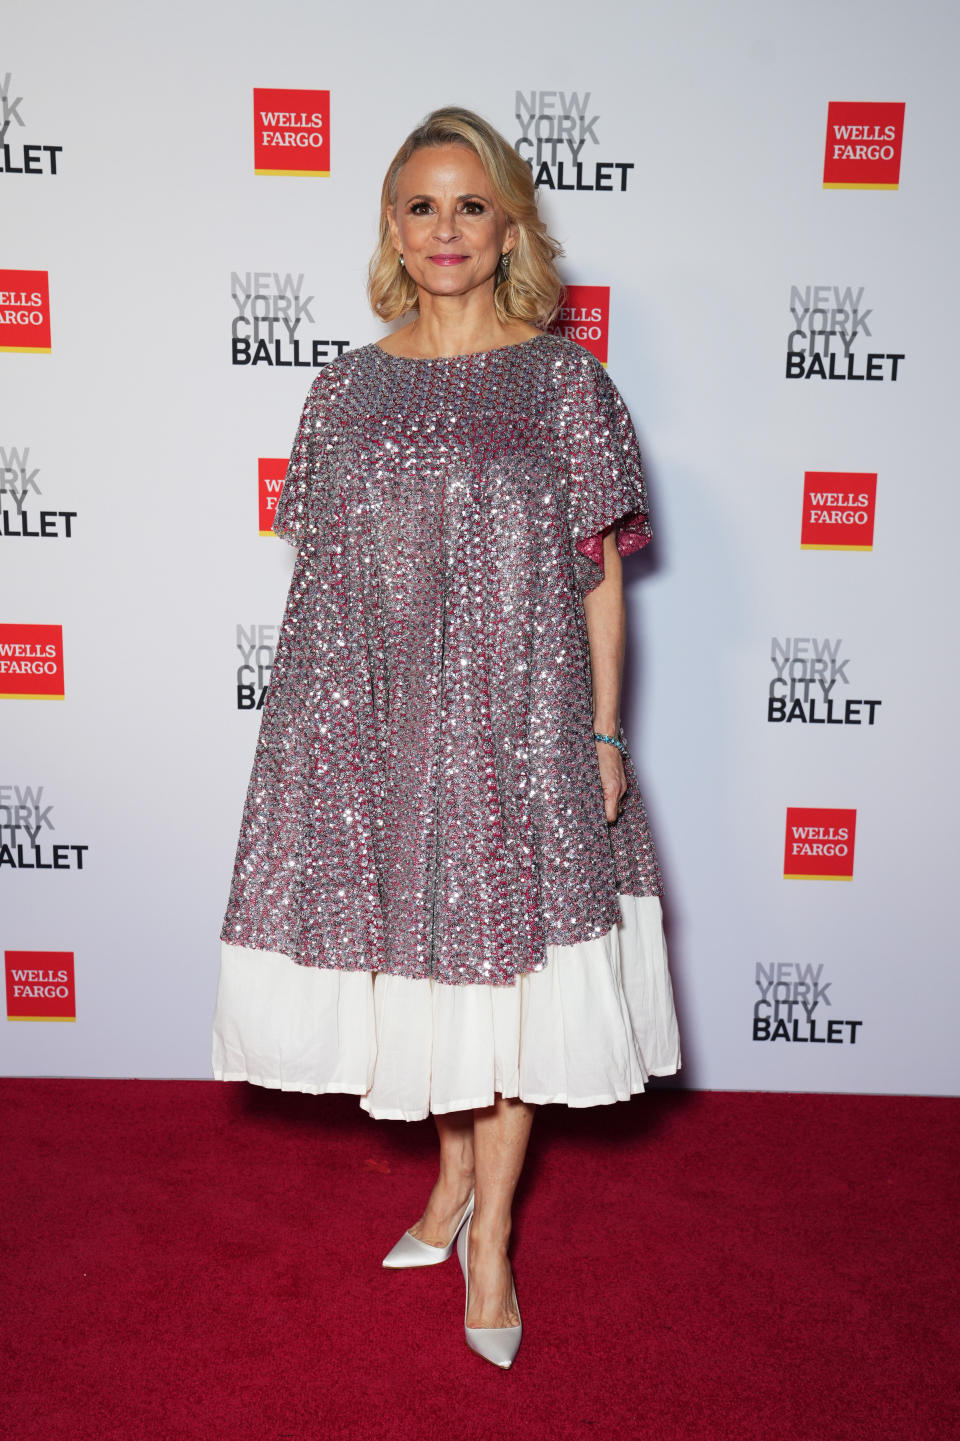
x: 759, y: 210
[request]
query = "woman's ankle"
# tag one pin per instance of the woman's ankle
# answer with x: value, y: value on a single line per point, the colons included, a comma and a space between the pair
x: 457, y: 1177
x: 489, y: 1233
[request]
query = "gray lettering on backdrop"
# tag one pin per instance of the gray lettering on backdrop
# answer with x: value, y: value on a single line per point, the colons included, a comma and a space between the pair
x: 11, y: 108
x: 22, y: 811
x: 804, y: 661
x: 256, y: 645
x: 789, y: 992
x: 15, y: 479
x: 266, y: 298
x: 555, y: 119
x: 839, y: 314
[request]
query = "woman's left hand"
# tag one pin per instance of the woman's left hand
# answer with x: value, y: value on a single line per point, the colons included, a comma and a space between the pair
x: 612, y: 778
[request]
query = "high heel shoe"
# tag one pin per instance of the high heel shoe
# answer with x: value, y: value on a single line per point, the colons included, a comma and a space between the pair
x: 498, y: 1344
x: 410, y: 1252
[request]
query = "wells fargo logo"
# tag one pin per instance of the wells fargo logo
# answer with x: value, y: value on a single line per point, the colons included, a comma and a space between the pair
x: 25, y: 311
x: 270, y: 477
x: 31, y: 662
x: 585, y: 318
x: 864, y: 139
x: 40, y: 986
x: 819, y: 844
x: 838, y: 510
x: 291, y: 132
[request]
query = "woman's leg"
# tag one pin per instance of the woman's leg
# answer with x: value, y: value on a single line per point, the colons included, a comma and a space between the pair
x: 454, y: 1183
x: 500, y: 1136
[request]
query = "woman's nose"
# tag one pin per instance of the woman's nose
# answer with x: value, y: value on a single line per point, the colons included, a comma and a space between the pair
x: 446, y: 228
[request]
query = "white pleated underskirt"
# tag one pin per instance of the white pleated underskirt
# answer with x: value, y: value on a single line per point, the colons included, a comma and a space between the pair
x: 587, y: 1030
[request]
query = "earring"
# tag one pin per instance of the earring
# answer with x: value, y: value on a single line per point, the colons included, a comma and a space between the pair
x: 505, y: 262
x: 400, y: 258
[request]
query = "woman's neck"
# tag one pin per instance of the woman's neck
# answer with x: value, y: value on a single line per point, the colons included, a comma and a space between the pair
x: 456, y: 325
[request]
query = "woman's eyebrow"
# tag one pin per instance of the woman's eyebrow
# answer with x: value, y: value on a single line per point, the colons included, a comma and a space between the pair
x: 471, y: 196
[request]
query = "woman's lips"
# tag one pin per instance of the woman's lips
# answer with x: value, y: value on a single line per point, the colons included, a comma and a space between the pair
x: 448, y: 259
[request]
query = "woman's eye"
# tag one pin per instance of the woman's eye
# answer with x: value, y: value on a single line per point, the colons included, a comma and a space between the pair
x: 419, y: 207
x: 473, y: 207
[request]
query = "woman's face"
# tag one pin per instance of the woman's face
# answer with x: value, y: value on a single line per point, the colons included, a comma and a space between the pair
x: 446, y: 223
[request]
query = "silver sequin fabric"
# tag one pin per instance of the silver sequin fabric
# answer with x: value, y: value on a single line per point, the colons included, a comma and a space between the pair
x: 425, y: 797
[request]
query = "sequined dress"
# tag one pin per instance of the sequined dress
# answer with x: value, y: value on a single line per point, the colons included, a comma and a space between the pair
x: 426, y: 893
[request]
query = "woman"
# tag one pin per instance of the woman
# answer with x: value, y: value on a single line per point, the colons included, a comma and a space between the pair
x: 445, y: 897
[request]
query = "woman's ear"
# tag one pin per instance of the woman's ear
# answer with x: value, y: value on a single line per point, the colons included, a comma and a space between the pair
x: 394, y: 229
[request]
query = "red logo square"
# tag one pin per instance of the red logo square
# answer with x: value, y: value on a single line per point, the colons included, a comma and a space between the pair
x: 585, y: 318
x: 819, y: 844
x: 291, y: 132
x: 31, y: 661
x: 40, y: 986
x: 25, y: 311
x: 838, y: 510
x: 270, y: 477
x: 864, y: 139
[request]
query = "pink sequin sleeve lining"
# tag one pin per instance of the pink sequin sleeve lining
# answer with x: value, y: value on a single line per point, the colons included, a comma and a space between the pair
x: 633, y: 533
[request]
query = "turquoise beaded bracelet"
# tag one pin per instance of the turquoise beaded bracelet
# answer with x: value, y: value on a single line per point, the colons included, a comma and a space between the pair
x: 611, y: 741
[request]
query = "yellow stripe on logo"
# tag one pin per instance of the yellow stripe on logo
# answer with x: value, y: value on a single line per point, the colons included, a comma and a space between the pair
x: 41, y: 1018
x: 789, y: 877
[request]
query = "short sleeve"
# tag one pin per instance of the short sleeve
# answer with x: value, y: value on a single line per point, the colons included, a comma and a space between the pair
x: 606, y: 483
x: 290, y: 515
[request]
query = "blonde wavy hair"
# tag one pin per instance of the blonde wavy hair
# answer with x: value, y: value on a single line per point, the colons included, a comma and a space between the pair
x: 528, y: 288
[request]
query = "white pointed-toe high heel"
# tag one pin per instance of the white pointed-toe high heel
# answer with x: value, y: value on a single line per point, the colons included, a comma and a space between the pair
x: 498, y: 1344
x: 410, y: 1252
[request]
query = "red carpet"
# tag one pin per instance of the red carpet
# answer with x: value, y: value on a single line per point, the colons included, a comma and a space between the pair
x: 195, y: 1260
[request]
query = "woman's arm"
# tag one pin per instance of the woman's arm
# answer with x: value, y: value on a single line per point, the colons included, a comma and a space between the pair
x: 606, y: 617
